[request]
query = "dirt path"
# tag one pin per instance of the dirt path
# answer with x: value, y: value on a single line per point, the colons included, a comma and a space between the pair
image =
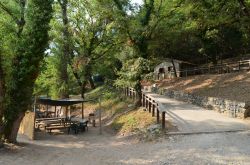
x: 92, y: 149
x: 193, y: 119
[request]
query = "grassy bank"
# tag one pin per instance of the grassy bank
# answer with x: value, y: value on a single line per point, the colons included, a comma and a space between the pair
x: 133, y: 121
x: 111, y: 100
x: 119, y: 110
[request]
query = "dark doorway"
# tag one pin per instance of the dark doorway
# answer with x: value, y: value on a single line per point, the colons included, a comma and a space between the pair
x: 161, y: 72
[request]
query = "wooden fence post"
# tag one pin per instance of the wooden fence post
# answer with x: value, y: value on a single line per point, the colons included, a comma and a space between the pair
x: 153, y: 109
x: 149, y: 105
x: 157, y: 116
x: 163, y: 120
x: 143, y: 99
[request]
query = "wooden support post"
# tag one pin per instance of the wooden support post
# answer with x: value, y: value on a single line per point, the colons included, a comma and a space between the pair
x: 163, y: 120
x: 55, y: 114
x: 157, y: 116
x: 142, y: 100
x: 66, y: 112
x: 153, y: 109
x: 146, y: 103
x: 82, y: 110
x: 100, y: 116
x: 149, y: 106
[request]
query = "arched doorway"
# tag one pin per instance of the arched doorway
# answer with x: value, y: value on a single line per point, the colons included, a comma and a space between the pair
x: 161, y: 73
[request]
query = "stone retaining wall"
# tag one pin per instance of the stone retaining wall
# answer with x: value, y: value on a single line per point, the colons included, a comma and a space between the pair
x: 27, y: 126
x: 229, y: 107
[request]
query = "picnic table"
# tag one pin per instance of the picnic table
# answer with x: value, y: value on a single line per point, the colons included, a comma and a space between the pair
x: 47, y: 121
x: 78, y: 124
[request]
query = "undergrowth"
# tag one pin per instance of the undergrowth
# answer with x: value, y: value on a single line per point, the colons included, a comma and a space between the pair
x: 112, y: 101
x: 133, y: 121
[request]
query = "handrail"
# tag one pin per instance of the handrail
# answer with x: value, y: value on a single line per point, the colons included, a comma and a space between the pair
x: 221, y: 68
x: 151, y: 104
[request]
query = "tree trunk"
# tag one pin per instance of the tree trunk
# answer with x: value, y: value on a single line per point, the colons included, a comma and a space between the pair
x: 138, y: 89
x: 11, y: 130
x: 175, y: 72
x: 2, y: 91
x: 91, y: 82
x: 83, y: 89
x: 64, y: 57
x: 2, y: 94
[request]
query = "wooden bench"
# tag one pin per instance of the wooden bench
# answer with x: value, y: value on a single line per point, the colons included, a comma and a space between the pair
x: 46, y: 123
x: 50, y: 128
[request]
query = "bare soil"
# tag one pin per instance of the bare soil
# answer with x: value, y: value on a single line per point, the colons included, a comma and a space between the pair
x: 232, y: 86
x: 90, y: 148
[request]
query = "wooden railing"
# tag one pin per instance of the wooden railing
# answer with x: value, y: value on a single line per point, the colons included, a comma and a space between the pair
x: 217, y: 69
x: 150, y: 104
x: 154, y: 107
x: 130, y: 92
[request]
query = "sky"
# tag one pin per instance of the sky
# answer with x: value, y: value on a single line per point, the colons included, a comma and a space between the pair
x: 137, y: 1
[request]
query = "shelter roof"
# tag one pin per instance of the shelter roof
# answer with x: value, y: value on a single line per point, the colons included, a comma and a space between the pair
x: 62, y: 102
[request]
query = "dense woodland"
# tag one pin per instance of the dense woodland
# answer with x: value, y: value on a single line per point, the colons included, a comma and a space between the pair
x: 55, y: 48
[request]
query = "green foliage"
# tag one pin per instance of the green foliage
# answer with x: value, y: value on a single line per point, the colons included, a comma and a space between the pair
x: 132, y: 71
x: 112, y: 38
x: 30, y: 42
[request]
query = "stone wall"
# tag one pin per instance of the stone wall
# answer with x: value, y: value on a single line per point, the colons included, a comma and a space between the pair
x: 228, y: 107
x: 27, y: 126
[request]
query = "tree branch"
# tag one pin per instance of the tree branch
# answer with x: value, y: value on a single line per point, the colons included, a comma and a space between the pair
x: 8, y: 11
x: 244, y: 7
x: 106, y: 51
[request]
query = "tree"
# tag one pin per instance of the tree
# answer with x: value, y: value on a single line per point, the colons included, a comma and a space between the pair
x: 31, y: 38
x: 139, y: 28
x: 93, y: 34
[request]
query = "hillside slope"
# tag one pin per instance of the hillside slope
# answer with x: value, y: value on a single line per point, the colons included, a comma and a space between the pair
x: 233, y: 86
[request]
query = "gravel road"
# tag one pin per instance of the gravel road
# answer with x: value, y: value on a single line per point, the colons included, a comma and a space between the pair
x: 90, y: 148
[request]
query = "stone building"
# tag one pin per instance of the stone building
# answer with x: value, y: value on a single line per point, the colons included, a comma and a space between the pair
x: 165, y: 69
